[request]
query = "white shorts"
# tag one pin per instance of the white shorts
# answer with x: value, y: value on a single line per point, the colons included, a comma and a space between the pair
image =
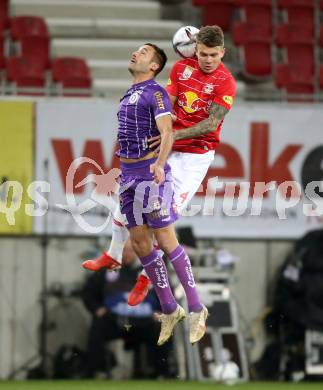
x: 188, y: 171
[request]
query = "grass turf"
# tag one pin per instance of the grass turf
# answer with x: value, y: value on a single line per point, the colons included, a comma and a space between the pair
x: 151, y: 385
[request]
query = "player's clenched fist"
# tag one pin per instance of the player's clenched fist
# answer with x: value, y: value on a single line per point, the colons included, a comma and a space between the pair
x: 158, y: 173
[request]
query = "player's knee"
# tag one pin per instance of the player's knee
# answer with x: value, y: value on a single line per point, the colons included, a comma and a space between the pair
x: 166, y: 239
x: 141, y: 246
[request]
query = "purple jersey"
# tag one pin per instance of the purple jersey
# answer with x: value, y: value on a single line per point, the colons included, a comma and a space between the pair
x: 139, y: 108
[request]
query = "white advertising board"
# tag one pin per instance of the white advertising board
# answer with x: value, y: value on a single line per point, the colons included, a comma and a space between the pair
x: 274, y: 145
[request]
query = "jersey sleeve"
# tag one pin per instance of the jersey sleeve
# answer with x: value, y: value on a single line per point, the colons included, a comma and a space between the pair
x: 172, y: 86
x: 160, y: 102
x: 226, y: 93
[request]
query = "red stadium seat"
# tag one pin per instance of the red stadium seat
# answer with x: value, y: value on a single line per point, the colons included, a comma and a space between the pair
x: 303, y: 53
x: 294, y: 79
x: 296, y: 3
x: 255, y: 42
x: 257, y: 60
x: 243, y: 32
x: 321, y: 36
x: 2, y: 57
x: 298, y: 40
x: 288, y: 33
x: 25, y: 26
x: 299, y: 11
x: 2, y: 26
x: 217, y: 12
x: 2, y: 43
x: 257, y: 11
x: 36, y: 47
x: 72, y: 75
x: 27, y: 75
x: 4, y: 12
x: 32, y: 34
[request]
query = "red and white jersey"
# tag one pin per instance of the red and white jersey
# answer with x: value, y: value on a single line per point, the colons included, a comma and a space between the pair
x: 196, y: 91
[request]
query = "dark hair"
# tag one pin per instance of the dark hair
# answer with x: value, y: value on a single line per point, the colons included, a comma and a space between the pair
x: 160, y: 57
x: 210, y: 36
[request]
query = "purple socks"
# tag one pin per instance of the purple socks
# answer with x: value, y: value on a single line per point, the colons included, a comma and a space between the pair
x: 157, y: 273
x: 183, y: 269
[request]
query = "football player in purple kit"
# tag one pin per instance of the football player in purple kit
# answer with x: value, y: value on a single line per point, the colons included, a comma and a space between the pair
x: 146, y: 193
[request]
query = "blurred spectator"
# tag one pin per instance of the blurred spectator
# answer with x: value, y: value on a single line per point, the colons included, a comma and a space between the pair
x: 105, y: 296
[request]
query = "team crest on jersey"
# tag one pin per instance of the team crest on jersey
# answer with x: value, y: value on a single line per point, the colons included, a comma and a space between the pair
x: 134, y: 97
x: 187, y: 73
x: 208, y: 88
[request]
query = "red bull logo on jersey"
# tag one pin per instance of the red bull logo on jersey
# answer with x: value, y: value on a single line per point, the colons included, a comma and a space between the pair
x: 208, y: 88
x: 190, y: 102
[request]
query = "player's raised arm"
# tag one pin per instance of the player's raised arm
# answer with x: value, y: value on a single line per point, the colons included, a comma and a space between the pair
x: 216, y: 115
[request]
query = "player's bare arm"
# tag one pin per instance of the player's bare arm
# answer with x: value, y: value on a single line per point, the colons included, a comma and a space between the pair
x: 164, y: 125
x: 216, y: 115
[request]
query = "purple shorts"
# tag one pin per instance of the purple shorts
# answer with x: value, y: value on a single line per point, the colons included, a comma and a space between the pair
x: 143, y: 201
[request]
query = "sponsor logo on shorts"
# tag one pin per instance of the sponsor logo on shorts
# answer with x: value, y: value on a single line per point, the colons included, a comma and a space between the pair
x: 156, y: 205
x: 159, y: 214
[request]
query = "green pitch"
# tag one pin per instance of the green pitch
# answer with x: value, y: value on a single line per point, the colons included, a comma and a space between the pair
x: 151, y: 385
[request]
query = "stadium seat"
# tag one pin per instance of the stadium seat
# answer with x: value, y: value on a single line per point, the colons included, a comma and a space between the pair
x: 25, y: 26
x: 256, y: 11
x: 2, y: 26
x: 289, y: 33
x: 217, y: 12
x: 36, y: 47
x: 2, y: 57
x: 255, y: 42
x: 243, y: 32
x: 294, y: 79
x: 4, y: 14
x: 32, y: 34
x: 72, y: 76
x: 2, y: 43
x: 298, y: 41
x: 299, y: 11
x: 321, y: 36
x: 26, y: 75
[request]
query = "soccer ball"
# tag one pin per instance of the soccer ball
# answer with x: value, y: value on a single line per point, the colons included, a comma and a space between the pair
x: 184, y: 41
